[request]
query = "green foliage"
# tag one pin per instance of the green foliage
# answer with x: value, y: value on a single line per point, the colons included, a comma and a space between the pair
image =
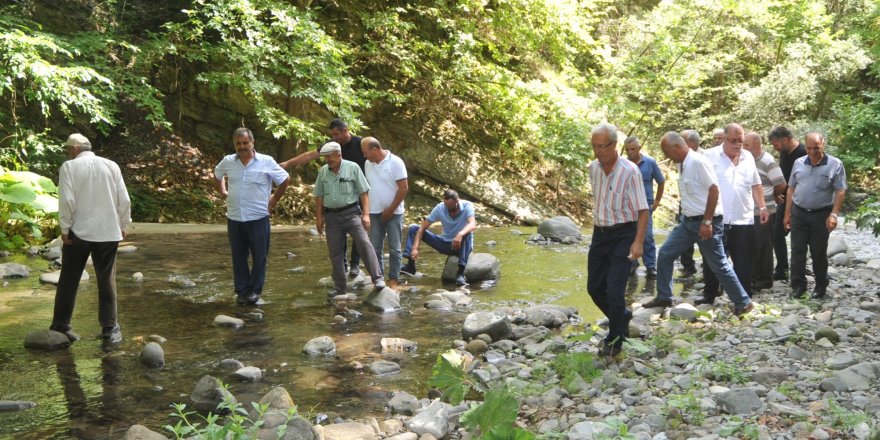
x: 688, y: 404
x: 237, y: 425
x: 28, y: 207
x: 574, y: 367
x: 741, y: 428
x: 842, y: 417
x: 496, y: 413
x: 724, y: 371
x: 449, y: 374
x: 620, y: 428
x: 867, y: 216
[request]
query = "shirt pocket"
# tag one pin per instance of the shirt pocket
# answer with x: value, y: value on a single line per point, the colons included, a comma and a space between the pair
x: 824, y: 182
x: 255, y: 177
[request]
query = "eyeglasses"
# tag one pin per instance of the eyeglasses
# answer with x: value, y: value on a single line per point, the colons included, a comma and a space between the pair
x: 604, y: 146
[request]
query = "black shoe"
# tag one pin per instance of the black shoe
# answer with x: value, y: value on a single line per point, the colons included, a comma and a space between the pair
x: 703, y: 300
x: 740, y: 311
x: 66, y: 331
x: 798, y: 292
x: 780, y: 275
x: 819, y: 292
x: 651, y: 273
x: 610, y: 350
x: 687, y: 272
x: 657, y: 302
x: 112, y: 335
x: 409, y: 268
x: 354, y: 272
x: 460, y: 279
x: 251, y: 299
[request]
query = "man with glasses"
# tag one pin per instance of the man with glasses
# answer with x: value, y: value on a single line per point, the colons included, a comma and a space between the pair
x: 458, y: 221
x: 620, y: 217
x: 342, y: 203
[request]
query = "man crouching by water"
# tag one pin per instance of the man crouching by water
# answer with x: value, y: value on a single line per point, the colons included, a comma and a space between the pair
x: 620, y: 217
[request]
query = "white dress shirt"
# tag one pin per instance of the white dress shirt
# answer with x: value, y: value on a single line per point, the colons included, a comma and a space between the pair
x: 735, y: 182
x: 92, y: 199
x: 697, y: 176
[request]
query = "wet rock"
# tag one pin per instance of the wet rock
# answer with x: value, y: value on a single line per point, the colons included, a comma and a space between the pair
x: 684, y: 311
x: 228, y: 321
x: 15, y: 405
x: 480, y: 267
x: 381, y: 368
x: 431, y: 420
x: 248, y: 374
x: 476, y: 347
x: 739, y: 401
x: 14, y: 270
x: 52, y: 253
x: 230, y: 364
x: 46, y: 340
x: 397, y: 345
x: 278, y: 398
x: 349, y: 431
x: 560, y: 229
x: 438, y: 304
x: 548, y: 315
x: 383, y: 300
x: 208, y: 393
x: 152, y: 355
x: 322, y: 345
x: 137, y: 277
x: 127, y: 249
x: 403, y: 403
x: 494, y: 324
x: 157, y: 339
x: 53, y: 277
x: 140, y: 432
x: 181, y: 281
x: 841, y: 361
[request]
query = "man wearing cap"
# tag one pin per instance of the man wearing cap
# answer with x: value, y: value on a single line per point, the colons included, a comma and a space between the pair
x: 386, y: 174
x: 94, y: 211
x: 815, y: 195
x: 350, y: 146
x: 249, y: 200
x: 342, y: 203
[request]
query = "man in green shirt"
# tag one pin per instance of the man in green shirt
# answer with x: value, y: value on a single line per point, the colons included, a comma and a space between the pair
x: 338, y: 189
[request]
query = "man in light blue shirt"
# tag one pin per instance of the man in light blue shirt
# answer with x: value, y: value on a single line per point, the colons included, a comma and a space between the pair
x: 458, y: 221
x: 650, y: 173
x: 249, y: 200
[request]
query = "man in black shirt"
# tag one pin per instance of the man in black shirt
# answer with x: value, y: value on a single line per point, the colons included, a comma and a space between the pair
x: 351, y: 150
x: 790, y: 149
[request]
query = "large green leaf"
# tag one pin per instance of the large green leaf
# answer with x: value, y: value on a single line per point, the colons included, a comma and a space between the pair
x: 448, y: 374
x: 499, y: 409
x: 508, y: 433
x: 45, y: 203
x: 17, y: 193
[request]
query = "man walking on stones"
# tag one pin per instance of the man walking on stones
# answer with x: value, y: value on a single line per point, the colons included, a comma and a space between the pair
x: 789, y: 150
x: 342, y: 203
x: 94, y: 211
x: 620, y: 216
x: 815, y: 195
x: 689, y: 266
x: 387, y: 177
x: 650, y: 173
x: 245, y: 179
x: 701, y: 222
x: 773, y: 184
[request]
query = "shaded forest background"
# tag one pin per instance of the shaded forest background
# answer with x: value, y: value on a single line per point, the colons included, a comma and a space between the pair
x: 492, y: 97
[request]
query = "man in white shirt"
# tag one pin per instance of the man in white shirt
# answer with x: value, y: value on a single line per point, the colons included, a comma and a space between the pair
x: 94, y: 210
x: 688, y: 265
x: 388, y: 181
x: 741, y: 193
x: 249, y: 200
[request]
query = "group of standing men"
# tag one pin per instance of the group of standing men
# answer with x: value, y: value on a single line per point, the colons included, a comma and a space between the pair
x: 729, y: 207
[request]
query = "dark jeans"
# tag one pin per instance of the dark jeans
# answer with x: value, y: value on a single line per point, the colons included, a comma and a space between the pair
x: 73, y: 261
x: 780, y: 248
x: 441, y: 245
x: 649, y: 248
x: 338, y: 224
x: 607, y: 273
x: 739, y: 243
x: 808, y: 230
x: 249, y: 238
x: 762, y: 267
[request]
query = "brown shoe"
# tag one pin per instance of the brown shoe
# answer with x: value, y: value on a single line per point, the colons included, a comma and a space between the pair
x: 740, y: 311
x: 657, y: 302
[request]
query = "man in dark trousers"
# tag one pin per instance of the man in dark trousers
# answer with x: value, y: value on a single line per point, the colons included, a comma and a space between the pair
x: 789, y: 150
x: 94, y: 211
x: 351, y: 151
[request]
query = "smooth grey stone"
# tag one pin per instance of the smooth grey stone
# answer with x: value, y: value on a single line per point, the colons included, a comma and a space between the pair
x: 494, y: 324
x: 403, y: 403
x: 46, y: 340
x: 53, y: 277
x: 476, y: 347
x: 127, y: 249
x: 438, y: 304
x: 739, y: 401
x: 228, y: 321
x: 796, y: 353
x: 156, y: 338
x: 684, y: 311
x: 381, y: 368
x: 860, y: 377
x: 52, y: 253
x: 16, y: 405
x: 589, y: 430
x: 231, y: 364
x: 397, y: 345
x: 559, y: 229
x: 383, y: 300
x: 248, y: 374
x: 505, y: 345
x: 140, y: 432
x: 770, y: 376
x: 277, y: 398
x: 827, y: 333
x: 832, y: 384
x: 836, y: 245
x: 841, y: 361
x: 480, y: 267
x: 208, y: 393
x: 322, y: 345
x: 349, y: 430
x: 153, y: 355
x: 549, y: 315
x: 431, y: 420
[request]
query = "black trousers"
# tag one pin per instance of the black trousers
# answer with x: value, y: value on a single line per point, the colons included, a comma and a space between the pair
x: 762, y: 268
x: 808, y: 230
x: 73, y: 261
x: 739, y: 245
x: 780, y: 248
x: 607, y: 273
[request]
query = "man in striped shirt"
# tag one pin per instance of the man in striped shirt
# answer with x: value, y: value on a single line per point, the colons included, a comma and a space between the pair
x: 773, y: 184
x: 620, y: 217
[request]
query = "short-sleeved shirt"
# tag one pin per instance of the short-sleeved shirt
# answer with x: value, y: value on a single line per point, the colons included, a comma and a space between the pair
x: 786, y: 160
x: 249, y: 185
x: 343, y: 189
x: 451, y: 225
x: 352, y: 151
x: 735, y: 183
x: 383, y: 178
x: 771, y: 175
x: 650, y: 173
x: 619, y: 196
x: 697, y: 176
x: 814, y: 186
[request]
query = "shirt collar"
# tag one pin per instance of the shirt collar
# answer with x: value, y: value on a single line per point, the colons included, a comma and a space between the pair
x: 824, y: 161
x: 85, y: 153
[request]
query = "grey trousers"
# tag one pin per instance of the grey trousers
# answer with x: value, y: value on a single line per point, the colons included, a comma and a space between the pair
x: 337, y: 225
x: 73, y: 261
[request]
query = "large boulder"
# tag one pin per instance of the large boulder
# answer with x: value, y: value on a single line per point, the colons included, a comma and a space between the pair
x: 208, y: 393
x: 46, y: 340
x: 383, y: 300
x: 480, y: 267
x: 322, y: 345
x: 494, y: 324
x: 153, y: 355
x: 860, y: 377
x: 549, y: 315
x: 836, y: 245
x: 14, y: 270
x: 561, y: 229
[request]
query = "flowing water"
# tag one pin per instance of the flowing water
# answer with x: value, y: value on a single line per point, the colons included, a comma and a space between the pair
x: 85, y: 392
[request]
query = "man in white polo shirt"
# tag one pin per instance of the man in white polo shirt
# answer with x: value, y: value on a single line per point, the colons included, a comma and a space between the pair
x: 741, y: 192
x: 388, y: 181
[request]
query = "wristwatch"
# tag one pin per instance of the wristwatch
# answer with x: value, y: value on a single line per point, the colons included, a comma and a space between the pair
x: 707, y: 222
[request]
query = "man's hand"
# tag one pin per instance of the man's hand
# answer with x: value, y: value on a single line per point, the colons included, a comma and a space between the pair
x: 67, y: 241
x: 272, y: 203
x: 387, y: 214
x: 320, y: 226
x: 831, y: 223
x: 655, y: 205
x: 124, y: 234
x: 780, y: 199
x: 764, y: 216
x: 705, y: 231
x: 414, y: 253
x: 635, y: 251
x: 456, y: 242
x: 365, y: 219
x: 786, y: 221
